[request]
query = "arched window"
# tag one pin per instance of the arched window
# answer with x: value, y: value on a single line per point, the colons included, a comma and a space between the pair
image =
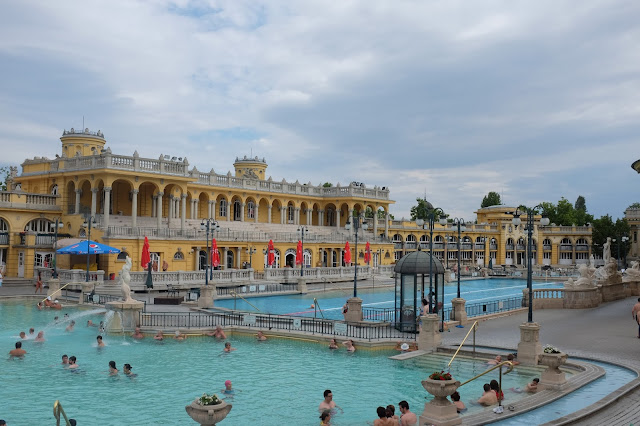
x: 82, y: 233
x: 251, y: 210
x: 546, y: 242
x: 39, y: 225
x: 411, y: 238
x: 122, y: 255
x: 4, y: 226
x: 565, y: 241
x: 582, y: 241
x: 510, y: 241
x: 479, y: 239
x: 290, y: 213
x: 178, y: 256
x: 54, y: 189
x: 424, y: 239
x: 397, y: 238
x: 438, y: 239
x: 223, y: 208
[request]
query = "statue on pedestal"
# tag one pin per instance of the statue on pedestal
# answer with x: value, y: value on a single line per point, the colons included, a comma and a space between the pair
x: 125, y: 279
x: 633, y: 273
x: 606, y: 251
x: 587, y: 276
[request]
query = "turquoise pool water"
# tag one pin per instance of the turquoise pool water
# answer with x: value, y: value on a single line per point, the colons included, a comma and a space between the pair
x: 279, y: 381
x: 331, y: 301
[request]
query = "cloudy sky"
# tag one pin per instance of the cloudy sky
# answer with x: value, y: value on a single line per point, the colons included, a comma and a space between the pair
x: 536, y: 100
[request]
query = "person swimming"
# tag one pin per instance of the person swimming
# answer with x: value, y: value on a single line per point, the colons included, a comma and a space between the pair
x: 228, y: 390
x: 127, y: 371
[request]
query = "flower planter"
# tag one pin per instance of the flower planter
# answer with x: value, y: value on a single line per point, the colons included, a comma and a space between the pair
x: 440, y: 389
x: 440, y: 410
x: 552, y: 377
x: 208, y: 414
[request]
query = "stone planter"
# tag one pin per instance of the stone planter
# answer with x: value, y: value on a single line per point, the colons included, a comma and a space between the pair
x: 208, y: 414
x: 440, y: 410
x: 552, y: 377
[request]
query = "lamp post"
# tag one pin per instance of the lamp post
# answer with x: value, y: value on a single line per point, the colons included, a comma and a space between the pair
x: 619, y: 241
x: 250, y: 252
x: 459, y: 223
x: 420, y: 222
x: 57, y: 226
x: 529, y: 228
x: 209, y: 225
x: 89, y: 221
x: 356, y: 219
x: 303, y: 230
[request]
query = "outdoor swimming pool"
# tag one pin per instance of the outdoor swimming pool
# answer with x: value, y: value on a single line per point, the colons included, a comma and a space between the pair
x: 172, y: 373
x: 331, y: 302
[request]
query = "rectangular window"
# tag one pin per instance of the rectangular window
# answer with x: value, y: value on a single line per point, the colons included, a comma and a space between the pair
x: 566, y: 255
x: 546, y: 255
x: 223, y: 209
x: 43, y: 260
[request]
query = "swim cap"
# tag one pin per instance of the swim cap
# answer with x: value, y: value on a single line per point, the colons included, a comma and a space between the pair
x: 228, y: 382
x: 404, y: 347
x: 56, y: 301
x: 48, y: 297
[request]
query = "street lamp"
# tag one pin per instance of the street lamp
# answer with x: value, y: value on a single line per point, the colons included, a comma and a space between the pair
x: 420, y: 222
x: 621, y: 240
x: 357, y: 223
x: 89, y: 221
x: 209, y: 225
x: 250, y: 252
x: 57, y: 226
x: 302, y: 230
x: 459, y: 223
x: 544, y: 221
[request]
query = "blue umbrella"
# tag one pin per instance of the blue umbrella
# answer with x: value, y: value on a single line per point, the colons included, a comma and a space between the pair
x: 88, y: 247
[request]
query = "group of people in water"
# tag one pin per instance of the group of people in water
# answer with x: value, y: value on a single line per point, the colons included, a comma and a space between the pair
x: 348, y: 344
x: 386, y: 415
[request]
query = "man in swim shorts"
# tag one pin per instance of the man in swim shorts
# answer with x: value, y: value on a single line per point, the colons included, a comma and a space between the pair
x: 635, y: 313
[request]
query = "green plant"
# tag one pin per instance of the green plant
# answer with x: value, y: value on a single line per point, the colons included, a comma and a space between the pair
x: 206, y: 399
x: 440, y: 376
x: 548, y: 349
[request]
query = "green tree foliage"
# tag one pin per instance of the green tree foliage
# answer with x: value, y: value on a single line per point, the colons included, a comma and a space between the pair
x: 634, y: 206
x: 567, y: 214
x: 327, y: 185
x: 580, y: 204
x: 422, y: 210
x: 491, y: 199
x: 4, y: 174
x: 606, y: 227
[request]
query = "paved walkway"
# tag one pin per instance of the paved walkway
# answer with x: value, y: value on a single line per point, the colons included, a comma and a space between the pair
x: 606, y: 333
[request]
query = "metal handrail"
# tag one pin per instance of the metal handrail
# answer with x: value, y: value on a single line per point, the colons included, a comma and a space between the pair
x: 499, y: 366
x: 60, y: 289
x: 473, y: 328
x: 57, y: 410
x: 316, y: 308
x: 234, y: 294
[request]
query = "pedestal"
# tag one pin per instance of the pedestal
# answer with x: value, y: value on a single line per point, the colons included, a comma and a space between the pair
x: 459, y: 312
x: 54, y: 286
x: 529, y: 347
x: 208, y: 414
x: 440, y: 411
x: 206, y: 296
x: 302, y: 285
x: 86, y: 288
x: 354, y: 310
x: 429, y: 337
x: 126, y: 317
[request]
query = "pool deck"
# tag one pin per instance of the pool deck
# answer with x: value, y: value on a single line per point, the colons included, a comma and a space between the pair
x: 606, y: 333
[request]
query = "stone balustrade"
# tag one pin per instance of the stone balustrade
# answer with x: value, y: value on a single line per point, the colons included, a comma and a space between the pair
x: 27, y: 201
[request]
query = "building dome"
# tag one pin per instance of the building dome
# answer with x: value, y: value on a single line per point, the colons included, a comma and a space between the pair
x: 417, y: 263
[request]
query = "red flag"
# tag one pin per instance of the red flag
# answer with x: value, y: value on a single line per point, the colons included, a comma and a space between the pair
x: 271, y: 258
x: 299, y: 253
x: 367, y: 253
x: 215, y: 254
x: 146, y: 256
x: 347, y: 253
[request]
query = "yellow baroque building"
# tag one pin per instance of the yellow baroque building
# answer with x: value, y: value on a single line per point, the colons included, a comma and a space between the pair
x: 126, y: 198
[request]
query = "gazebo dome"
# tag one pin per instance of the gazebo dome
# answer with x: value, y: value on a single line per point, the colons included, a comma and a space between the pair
x: 417, y: 263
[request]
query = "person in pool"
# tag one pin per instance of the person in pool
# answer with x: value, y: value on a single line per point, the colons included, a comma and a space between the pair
x: 227, y: 388
x: 39, y: 337
x: 325, y: 418
x: 113, y: 371
x: 261, y: 337
x: 23, y: 335
x: 218, y: 333
x: 32, y: 331
x: 101, y: 327
x: 137, y: 334
x: 333, y: 344
x: 18, y: 351
x: 100, y: 342
x: 228, y: 348
x: 179, y: 336
x: 72, y: 362
x: 328, y: 403
x: 71, y: 325
x: 159, y: 336
x: 65, y: 359
x: 455, y: 398
x: 91, y: 324
x: 127, y: 371
x: 349, y: 345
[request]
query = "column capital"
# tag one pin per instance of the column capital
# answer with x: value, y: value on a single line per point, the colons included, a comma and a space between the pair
x: 94, y: 190
x: 107, y: 188
x: 78, y: 191
x: 184, y: 196
x: 160, y: 193
x: 135, y: 191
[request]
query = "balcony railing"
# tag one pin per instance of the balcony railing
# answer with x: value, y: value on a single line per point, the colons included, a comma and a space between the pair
x: 28, y: 201
x: 566, y: 248
x: 546, y: 247
x: 4, y: 238
x: 509, y: 247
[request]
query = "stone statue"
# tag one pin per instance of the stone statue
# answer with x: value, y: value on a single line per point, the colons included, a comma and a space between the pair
x: 587, y: 276
x: 633, y: 273
x: 606, y: 251
x: 592, y: 261
x: 125, y: 279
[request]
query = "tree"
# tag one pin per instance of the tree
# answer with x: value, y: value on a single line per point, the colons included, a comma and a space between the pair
x: 549, y: 210
x: 4, y: 175
x: 580, y: 204
x: 565, y: 213
x: 634, y: 206
x: 605, y: 227
x: 491, y: 199
x: 327, y: 185
x: 381, y: 215
x: 422, y: 210
x: 580, y: 212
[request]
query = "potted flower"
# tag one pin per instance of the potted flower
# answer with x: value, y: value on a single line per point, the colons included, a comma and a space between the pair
x: 208, y: 409
x: 440, y: 385
x: 553, y: 358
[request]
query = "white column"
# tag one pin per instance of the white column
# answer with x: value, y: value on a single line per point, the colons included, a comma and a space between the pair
x: 238, y: 255
x: 183, y: 213
x: 337, y: 219
x: 320, y: 217
x: 375, y: 223
x: 195, y: 211
x: 77, y: 208
x: 107, y: 207
x: 94, y: 200
x: 159, y: 209
x: 256, y: 211
x: 242, y: 212
x: 296, y: 216
x: 213, y: 209
x: 269, y: 214
x: 386, y: 225
x: 282, y: 214
x: 134, y: 208
x: 170, y: 215
x: 309, y: 216
x: 228, y: 212
x: 154, y: 206
x: 223, y: 257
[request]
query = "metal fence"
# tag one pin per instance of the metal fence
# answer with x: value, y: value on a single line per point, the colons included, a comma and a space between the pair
x: 255, y: 289
x: 493, y: 306
x: 379, y: 314
x: 313, y: 326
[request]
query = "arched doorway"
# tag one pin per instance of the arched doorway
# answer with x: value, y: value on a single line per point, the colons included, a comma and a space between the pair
x: 230, y: 258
